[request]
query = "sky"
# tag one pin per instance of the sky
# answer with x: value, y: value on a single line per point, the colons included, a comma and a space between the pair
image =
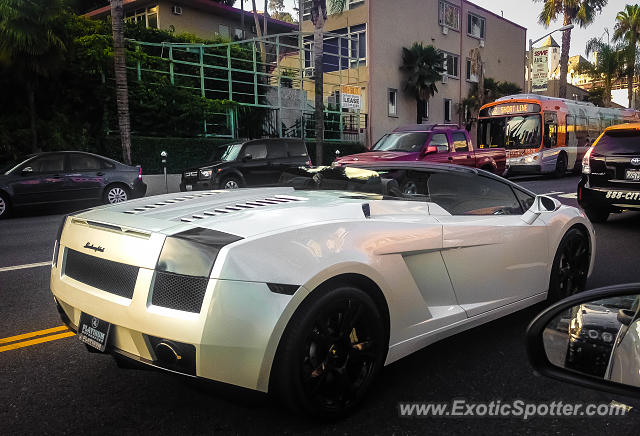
x: 525, y: 13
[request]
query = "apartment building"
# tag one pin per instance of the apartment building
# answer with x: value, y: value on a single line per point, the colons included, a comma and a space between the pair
x: 381, y: 28
x: 203, y: 18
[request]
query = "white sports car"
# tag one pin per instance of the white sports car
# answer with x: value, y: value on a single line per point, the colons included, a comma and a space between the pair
x: 308, y: 290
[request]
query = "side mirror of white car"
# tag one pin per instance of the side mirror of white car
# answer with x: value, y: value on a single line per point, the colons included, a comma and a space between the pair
x: 590, y: 339
x: 541, y: 204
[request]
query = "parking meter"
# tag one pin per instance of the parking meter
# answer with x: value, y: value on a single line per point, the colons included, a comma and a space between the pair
x: 163, y: 155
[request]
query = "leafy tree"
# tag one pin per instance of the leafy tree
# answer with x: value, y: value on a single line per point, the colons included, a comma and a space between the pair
x: 423, y: 67
x: 628, y: 29
x: 32, y: 47
x: 581, y: 12
x: 596, y: 95
x: 491, y: 91
x: 608, y: 65
x: 318, y: 18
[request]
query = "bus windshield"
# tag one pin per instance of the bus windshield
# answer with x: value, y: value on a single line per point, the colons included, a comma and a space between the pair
x: 518, y: 131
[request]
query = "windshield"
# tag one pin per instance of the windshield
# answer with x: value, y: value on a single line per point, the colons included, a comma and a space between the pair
x: 619, y: 142
x: 521, y: 131
x: 410, y: 141
x: 226, y: 153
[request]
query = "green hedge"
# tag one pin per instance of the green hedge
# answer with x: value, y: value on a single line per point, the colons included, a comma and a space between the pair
x: 186, y: 152
x: 145, y: 151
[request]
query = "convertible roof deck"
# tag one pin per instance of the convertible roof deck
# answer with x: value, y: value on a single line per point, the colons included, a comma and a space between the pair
x: 235, y: 206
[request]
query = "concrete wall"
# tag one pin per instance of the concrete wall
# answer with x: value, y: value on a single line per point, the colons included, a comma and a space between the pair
x: 400, y: 23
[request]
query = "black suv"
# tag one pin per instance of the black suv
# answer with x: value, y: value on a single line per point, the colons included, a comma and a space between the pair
x: 611, y: 173
x: 259, y: 162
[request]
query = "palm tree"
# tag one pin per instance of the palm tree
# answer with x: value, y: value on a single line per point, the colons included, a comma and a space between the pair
x: 120, y: 70
x: 318, y: 18
x: 423, y: 67
x: 581, y: 12
x: 608, y: 65
x: 31, y: 47
x: 628, y: 29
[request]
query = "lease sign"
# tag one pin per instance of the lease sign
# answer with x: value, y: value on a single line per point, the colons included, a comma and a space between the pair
x: 350, y: 97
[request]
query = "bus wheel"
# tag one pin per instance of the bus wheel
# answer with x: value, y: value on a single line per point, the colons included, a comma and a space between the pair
x: 561, y: 165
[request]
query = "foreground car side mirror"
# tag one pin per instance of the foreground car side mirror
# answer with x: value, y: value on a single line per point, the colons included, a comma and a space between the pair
x: 247, y: 157
x: 541, y: 204
x: 584, y: 340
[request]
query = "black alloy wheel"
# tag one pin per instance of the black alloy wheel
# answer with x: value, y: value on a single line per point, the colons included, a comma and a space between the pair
x: 570, y: 266
x: 331, y: 352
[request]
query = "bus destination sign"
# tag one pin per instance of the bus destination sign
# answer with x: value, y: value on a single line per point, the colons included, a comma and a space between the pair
x: 513, y: 108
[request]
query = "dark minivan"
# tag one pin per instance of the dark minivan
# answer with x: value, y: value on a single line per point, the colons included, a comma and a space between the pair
x: 611, y: 173
x: 66, y: 176
x: 258, y: 162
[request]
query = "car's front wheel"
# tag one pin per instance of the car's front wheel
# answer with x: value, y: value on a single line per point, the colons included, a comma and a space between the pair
x: 330, y: 353
x: 230, y: 183
x: 115, y: 194
x: 570, y: 266
x: 4, y: 206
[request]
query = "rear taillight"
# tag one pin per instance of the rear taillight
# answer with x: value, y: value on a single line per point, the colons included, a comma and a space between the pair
x: 139, y: 173
x: 586, y: 166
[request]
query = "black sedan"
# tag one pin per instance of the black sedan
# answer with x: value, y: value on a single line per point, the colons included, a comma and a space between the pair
x: 66, y: 176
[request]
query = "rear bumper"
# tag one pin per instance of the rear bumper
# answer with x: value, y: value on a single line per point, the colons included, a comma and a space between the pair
x: 607, y: 198
x: 232, y: 336
x: 139, y: 189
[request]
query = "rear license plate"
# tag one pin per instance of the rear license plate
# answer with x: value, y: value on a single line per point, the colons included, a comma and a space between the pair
x: 188, y: 187
x: 93, y: 331
x: 632, y: 175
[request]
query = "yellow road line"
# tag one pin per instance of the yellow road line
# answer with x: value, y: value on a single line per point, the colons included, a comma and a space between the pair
x: 32, y: 334
x: 36, y: 341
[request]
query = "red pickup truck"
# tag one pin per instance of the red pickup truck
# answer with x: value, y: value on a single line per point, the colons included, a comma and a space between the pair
x: 443, y: 143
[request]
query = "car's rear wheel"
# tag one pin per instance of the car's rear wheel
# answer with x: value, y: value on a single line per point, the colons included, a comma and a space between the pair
x: 4, y: 206
x: 230, y: 183
x: 115, y: 194
x: 330, y: 353
x: 597, y: 215
x: 570, y: 266
x: 561, y: 165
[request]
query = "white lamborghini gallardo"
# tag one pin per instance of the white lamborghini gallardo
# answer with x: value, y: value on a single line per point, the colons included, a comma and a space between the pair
x: 309, y: 289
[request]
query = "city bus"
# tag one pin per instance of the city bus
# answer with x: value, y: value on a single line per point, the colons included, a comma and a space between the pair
x: 545, y: 135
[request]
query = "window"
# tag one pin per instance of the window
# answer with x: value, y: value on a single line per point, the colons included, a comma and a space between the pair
x: 425, y: 109
x: 147, y: 17
x: 358, y: 42
x: 223, y: 30
x: 470, y: 76
x: 460, y: 143
x: 526, y: 200
x: 472, y: 195
x: 297, y: 149
x: 277, y: 150
x: 451, y: 64
x: 449, y: 15
x: 550, y: 129
x: 80, y: 162
x: 408, y: 141
x: 475, y: 26
x: 447, y: 109
x: 393, y: 102
x: 238, y: 33
x: 355, y: 3
x: 47, y: 164
x: 257, y: 151
x: 440, y: 140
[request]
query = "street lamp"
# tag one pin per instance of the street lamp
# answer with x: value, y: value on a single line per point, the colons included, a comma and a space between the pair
x: 531, y: 42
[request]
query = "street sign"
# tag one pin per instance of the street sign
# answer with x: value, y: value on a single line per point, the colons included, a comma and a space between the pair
x: 350, y: 97
x: 540, y: 69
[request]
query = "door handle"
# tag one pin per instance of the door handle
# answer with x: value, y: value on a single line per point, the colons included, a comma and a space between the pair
x: 72, y: 175
x: 468, y: 156
x: 99, y: 173
x: 450, y: 158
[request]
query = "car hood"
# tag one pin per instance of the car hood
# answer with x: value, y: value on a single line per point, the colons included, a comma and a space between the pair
x: 213, y: 164
x: 242, y: 212
x: 380, y: 156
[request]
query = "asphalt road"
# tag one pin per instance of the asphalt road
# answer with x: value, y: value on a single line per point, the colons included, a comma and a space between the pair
x: 57, y: 387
